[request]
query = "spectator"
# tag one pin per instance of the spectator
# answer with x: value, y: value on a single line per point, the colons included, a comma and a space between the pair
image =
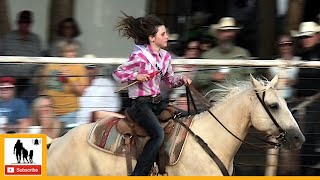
x: 198, y: 26
x: 287, y: 75
x: 42, y: 115
x: 205, y: 44
x: 225, y: 31
x: 191, y: 51
x: 65, y: 83
x: 21, y: 42
x: 68, y: 50
x: 12, y: 109
x: 99, y: 95
x: 287, y: 78
x: 308, y: 84
x: 32, y: 90
x: 67, y: 31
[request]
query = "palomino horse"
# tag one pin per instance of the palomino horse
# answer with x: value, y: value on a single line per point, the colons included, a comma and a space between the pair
x: 238, y: 110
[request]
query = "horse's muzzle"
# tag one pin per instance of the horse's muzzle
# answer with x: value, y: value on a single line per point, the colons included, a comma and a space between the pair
x: 293, y: 139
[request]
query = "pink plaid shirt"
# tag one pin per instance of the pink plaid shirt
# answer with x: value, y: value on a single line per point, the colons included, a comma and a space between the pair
x: 144, y: 61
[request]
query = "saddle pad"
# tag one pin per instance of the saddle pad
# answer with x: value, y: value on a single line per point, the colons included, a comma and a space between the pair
x: 103, y: 132
x: 105, y: 137
x: 175, y: 140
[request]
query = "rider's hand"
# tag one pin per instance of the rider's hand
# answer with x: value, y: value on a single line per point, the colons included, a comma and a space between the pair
x: 219, y: 76
x: 143, y: 77
x: 186, y: 80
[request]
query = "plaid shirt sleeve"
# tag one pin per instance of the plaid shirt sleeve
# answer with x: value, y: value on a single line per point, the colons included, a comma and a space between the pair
x: 171, y: 78
x: 128, y: 71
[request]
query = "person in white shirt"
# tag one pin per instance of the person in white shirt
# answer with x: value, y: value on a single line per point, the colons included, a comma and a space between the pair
x: 99, y: 95
x: 287, y: 75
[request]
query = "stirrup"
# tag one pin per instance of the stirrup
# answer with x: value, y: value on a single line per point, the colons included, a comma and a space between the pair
x: 154, y: 170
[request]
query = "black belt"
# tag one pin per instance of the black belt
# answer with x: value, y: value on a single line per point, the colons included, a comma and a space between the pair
x: 154, y: 100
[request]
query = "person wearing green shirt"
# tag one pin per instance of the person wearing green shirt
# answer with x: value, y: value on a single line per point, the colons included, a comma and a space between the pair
x: 225, y: 32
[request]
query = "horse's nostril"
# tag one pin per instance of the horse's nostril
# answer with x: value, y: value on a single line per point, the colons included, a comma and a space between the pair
x: 296, y: 139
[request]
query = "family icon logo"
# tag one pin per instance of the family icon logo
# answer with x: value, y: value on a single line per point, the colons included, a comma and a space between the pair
x: 23, y: 156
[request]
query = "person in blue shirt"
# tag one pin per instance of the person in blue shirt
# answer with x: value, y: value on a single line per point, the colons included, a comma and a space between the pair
x: 13, y: 111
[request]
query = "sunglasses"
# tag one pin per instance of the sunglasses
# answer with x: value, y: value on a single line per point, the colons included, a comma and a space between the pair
x: 193, y: 48
x: 286, y: 43
x: 91, y: 66
x: 68, y: 26
x: 306, y: 37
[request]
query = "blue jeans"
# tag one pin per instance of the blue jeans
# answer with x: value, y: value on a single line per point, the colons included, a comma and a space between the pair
x: 145, y: 115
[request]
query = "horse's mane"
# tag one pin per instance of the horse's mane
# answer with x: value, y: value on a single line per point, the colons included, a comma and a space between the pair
x: 229, y: 89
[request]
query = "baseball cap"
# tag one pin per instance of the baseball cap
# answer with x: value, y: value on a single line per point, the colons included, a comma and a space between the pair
x: 8, y: 79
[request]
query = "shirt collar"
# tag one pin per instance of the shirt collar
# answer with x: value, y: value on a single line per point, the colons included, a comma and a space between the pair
x: 149, y: 48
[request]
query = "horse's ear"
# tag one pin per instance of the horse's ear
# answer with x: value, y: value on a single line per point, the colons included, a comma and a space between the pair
x: 274, y: 81
x: 256, y: 83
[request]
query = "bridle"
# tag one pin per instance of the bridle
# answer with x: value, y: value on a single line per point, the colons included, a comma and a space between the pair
x: 206, y: 103
x: 282, y: 133
x: 223, y: 169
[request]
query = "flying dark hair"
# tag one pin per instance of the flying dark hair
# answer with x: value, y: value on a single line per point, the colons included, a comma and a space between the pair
x: 139, y: 29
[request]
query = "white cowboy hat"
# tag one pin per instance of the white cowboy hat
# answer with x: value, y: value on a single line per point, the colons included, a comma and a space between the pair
x: 226, y: 23
x: 306, y: 29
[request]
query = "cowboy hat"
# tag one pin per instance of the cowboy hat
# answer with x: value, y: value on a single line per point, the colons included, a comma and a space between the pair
x: 306, y: 29
x: 226, y: 23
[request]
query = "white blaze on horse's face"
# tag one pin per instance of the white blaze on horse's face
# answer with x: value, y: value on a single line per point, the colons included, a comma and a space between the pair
x: 279, y: 110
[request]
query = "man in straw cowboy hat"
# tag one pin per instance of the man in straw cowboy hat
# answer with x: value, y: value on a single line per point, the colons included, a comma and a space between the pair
x: 308, y: 84
x: 225, y: 32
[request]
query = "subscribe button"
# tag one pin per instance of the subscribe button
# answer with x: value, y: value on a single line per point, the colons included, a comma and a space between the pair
x: 23, y: 170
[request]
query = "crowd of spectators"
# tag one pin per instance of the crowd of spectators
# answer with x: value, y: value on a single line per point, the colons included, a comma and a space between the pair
x: 62, y: 95
x: 50, y: 97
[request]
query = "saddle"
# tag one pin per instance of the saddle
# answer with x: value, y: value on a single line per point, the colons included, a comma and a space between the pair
x: 129, y: 126
x: 120, y: 135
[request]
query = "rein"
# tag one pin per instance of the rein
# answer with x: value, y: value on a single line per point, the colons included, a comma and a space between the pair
x: 204, y: 145
x: 199, y: 140
x: 206, y: 148
x: 207, y: 106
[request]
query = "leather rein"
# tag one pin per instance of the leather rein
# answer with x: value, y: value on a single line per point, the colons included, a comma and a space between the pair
x: 206, y: 103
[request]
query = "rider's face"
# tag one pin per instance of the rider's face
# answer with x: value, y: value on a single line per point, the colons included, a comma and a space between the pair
x: 161, y: 38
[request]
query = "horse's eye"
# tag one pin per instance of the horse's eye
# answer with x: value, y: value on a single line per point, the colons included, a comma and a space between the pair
x: 274, y: 106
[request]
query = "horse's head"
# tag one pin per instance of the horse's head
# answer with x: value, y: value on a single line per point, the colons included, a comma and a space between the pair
x: 270, y: 114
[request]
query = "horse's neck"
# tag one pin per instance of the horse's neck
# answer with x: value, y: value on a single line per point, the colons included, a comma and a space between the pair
x: 234, y: 114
